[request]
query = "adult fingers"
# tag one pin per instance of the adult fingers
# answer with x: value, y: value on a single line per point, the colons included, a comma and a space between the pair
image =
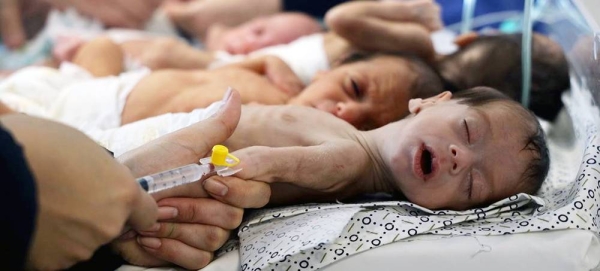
x: 203, y: 211
x: 240, y: 193
x: 191, y: 190
x: 11, y: 25
x: 176, y: 252
x: 145, y: 211
x: 231, y: 190
x: 185, y: 146
x: 199, y: 236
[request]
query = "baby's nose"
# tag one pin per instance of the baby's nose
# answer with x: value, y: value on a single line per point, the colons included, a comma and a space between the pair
x: 460, y: 158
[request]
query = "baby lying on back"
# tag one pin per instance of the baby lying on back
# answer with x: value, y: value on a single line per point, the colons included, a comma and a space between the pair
x: 453, y: 151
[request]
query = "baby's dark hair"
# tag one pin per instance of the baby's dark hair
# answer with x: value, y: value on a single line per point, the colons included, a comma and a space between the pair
x: 534, y: 141
x: 428, y: 82
x: 495, y: 61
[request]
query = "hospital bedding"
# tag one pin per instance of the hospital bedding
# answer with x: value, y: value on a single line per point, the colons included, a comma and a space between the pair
x: 572, y: 250
x: 557, y: 229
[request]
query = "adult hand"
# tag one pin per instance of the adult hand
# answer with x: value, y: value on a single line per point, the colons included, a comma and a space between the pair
x: 195, y: 219
x: 84, y: 195
x: 4, y: 109
x: 11, y: 27
x: 13, y: 14
x: 115, y: 13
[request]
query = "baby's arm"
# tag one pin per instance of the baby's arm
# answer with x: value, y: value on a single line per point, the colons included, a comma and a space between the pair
x: 395, y: 25
x: 277, y: 71
x: 306, y: 154
x: 167, y: 53
x: 101, y: 57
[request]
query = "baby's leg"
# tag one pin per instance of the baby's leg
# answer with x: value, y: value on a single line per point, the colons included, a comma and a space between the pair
x: 101, y: 57
x: 165, y: 91
x: 167, y: 53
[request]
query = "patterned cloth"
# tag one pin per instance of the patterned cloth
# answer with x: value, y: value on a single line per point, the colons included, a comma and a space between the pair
x: 312, y: 236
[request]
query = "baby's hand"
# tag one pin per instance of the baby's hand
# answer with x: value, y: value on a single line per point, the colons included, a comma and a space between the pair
x: 282, y: 76
x: 333, y: 170
x: 427, y: 12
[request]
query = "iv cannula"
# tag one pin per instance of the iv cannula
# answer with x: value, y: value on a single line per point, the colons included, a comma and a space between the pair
x: 219, y: 163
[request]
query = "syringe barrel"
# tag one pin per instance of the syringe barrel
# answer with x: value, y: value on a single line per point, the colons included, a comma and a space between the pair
x: 174, y: 177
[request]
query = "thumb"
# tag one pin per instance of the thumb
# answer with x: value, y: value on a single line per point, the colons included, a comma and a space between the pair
x: 144, y: 213
x: 201, y: 136
x: 11, y: 27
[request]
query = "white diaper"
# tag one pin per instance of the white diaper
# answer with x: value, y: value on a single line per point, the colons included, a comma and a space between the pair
x: 135, y: 134
x: 70, y: 95
x: 305, y: 56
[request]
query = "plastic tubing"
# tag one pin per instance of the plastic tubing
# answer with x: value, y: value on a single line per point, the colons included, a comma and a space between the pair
x: 526, y: 53
x: 467, y: 15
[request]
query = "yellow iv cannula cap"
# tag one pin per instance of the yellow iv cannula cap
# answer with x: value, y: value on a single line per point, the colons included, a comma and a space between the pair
x: 219, y: 157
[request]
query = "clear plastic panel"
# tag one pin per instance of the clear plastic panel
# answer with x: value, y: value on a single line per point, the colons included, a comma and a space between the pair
x: 574, y: 25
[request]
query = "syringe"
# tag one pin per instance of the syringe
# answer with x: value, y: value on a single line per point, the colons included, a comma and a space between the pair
x: 220, y: 163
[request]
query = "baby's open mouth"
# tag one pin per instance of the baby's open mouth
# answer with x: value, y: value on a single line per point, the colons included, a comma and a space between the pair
x: 426, y: 162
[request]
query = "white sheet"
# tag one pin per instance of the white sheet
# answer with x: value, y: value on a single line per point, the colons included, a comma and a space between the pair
x: 572, y: 250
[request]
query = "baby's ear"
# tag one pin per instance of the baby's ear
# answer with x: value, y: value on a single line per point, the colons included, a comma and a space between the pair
x: 416, y: 105
x: 465, y: 39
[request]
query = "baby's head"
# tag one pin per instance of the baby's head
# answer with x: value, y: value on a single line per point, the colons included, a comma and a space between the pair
x: 495, y: 61
x: 465, y: 151
x: 371, y: 90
